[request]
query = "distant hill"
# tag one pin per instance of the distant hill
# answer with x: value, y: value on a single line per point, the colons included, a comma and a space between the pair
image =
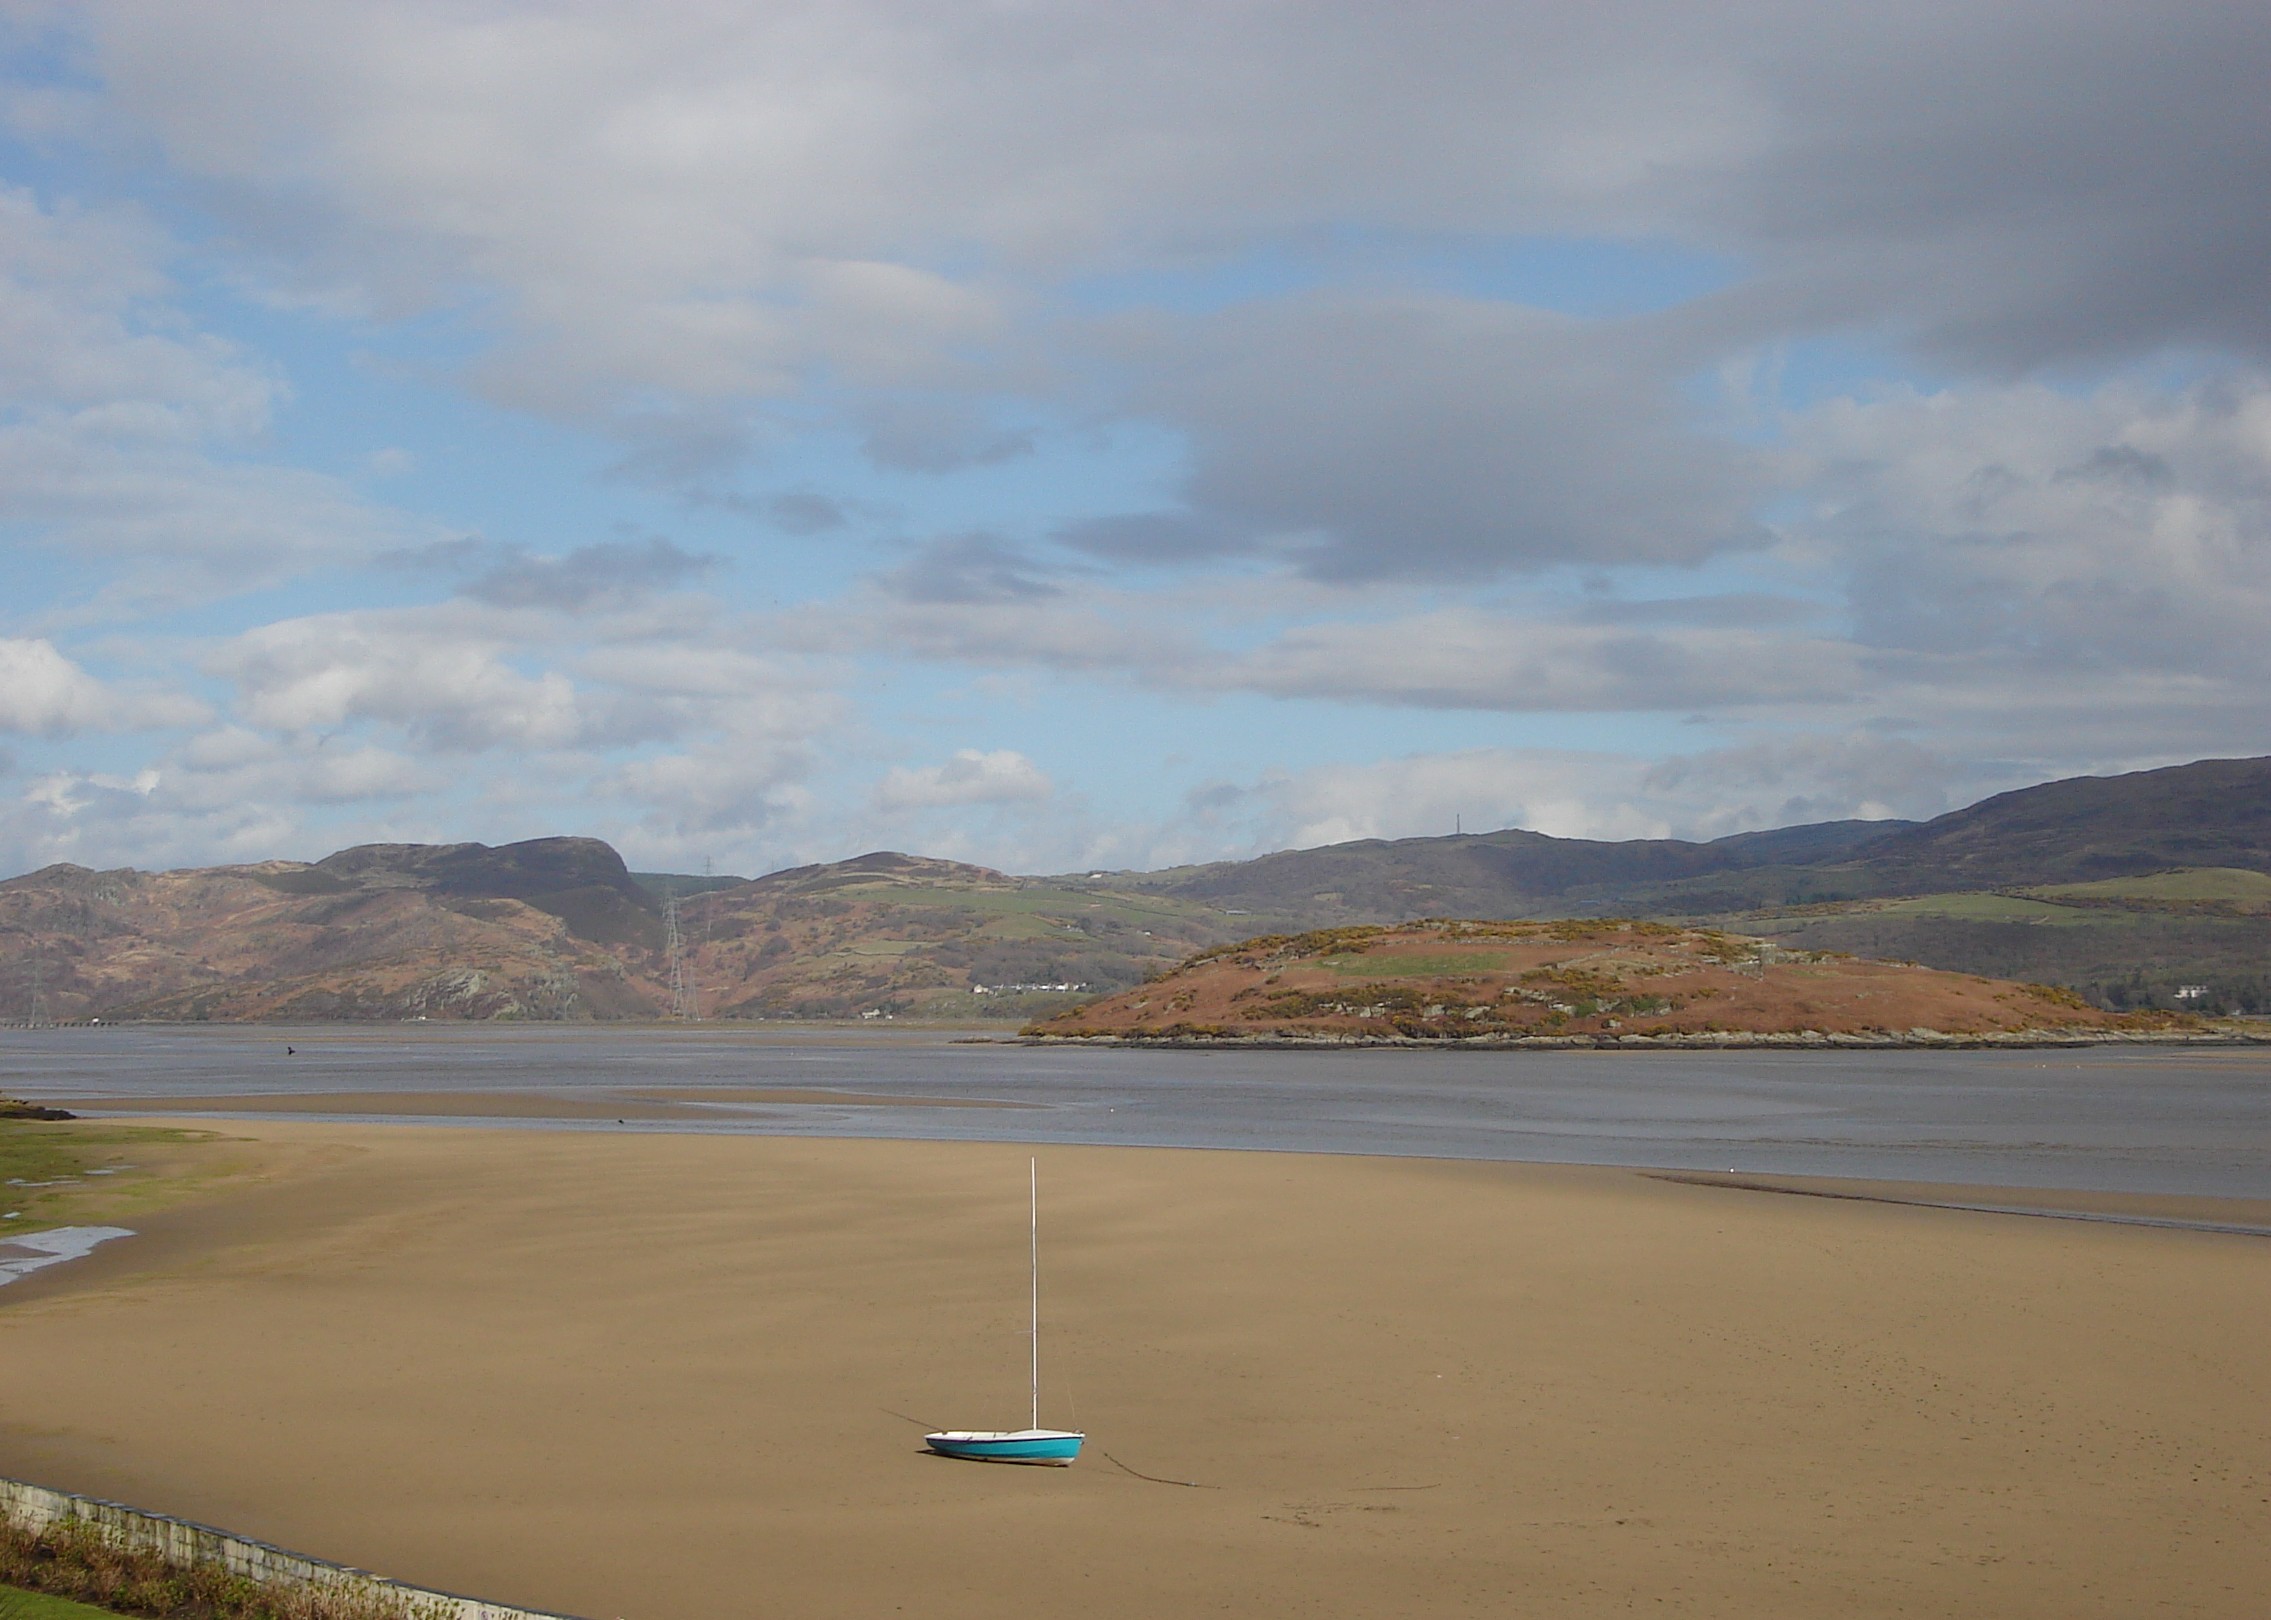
x: 1499, y: 874
x: 560, y: 928
x: 2216, y: 812
x: 581, y: 881
x: 2213, y: 813
x: 547, y: 929
x: 909, y: 935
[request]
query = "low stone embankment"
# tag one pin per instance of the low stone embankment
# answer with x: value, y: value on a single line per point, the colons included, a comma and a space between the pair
x: 185, y: 1545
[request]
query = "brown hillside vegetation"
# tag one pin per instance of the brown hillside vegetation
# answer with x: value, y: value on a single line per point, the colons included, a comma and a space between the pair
x: 1586, y: 979
x: 281, y: 941
x: 556, y: 929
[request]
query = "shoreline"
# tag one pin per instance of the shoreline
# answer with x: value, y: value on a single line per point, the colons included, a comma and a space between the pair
x: 2220, y: 1214
x: 1811, y: 1040
x: 979, y: 1034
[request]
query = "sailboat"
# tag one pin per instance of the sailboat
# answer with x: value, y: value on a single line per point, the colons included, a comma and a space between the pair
x: 1054, y: 1448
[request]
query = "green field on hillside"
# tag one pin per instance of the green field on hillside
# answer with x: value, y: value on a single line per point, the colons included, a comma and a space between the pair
x: 2128, y: 942
x: 1981, y: 908
x: 2225, y: 886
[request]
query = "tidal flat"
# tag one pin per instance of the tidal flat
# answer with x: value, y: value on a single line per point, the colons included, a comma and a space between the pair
x: 678, y: 1374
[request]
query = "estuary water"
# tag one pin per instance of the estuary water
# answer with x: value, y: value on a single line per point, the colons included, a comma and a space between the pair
x: 2114, y: 1119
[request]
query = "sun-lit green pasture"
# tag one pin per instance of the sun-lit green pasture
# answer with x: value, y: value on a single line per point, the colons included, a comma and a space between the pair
x: 2225, y: 885
x: 1983, y: 908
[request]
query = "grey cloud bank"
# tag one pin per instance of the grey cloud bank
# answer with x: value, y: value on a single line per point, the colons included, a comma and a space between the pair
x: 1939, y: 458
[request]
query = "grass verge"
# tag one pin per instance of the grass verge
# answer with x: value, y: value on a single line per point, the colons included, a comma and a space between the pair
x: 59, y: 1173
x: 63, y: 1571
x: 18, y: 1604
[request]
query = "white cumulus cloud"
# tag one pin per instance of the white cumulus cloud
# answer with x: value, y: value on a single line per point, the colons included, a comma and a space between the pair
x: 43, y: 693
x: 1001, y: 776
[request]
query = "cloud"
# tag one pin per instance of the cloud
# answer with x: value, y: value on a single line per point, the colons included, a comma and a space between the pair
x: 745, y: 732
x: 1788, y: 781
x: 2123, y: 529
x: 710, y: 227
x: 1278, y: 278
x: 608, y: 573
x: 82, y: 307
x: 1002, y: 776
x: 682, y: 745
x: 674, y: 215
x: 697, y: 198
x: 463, y: 678
x: 1774, y: 781
x: 1414, y: 437
x: 2021, y: 184
x: 1156, y: 538
x: 970, y: 569
x: 686, y: 802
x: 1460, y: 659
x: 121, y: 427
x: 993, y: 605
x: 1564, y: 795
x: 234, y: 765
x: 444, y: 683
x: 43, y: 693
x: 935, y: 435
x: 804, y: 511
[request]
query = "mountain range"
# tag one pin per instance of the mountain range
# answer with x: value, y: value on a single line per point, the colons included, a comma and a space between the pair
x: 2214, y: 813
x: 2130, y: 888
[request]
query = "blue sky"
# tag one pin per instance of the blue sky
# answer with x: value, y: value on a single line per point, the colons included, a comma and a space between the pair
x: 1074, y: 436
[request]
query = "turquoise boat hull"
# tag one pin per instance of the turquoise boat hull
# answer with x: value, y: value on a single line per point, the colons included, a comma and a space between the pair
x: 1054, y: 1448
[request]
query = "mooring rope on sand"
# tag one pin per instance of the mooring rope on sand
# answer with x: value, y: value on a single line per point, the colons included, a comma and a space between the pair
x: 1187, y: 1484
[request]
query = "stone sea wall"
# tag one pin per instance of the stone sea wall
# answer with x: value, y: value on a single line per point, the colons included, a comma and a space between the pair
x: 179, y: 1541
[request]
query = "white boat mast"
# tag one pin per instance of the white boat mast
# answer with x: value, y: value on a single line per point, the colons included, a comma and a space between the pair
x: 1033, y: 1246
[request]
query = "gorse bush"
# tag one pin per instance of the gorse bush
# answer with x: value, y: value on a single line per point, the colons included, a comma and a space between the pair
x: 84, y: 1563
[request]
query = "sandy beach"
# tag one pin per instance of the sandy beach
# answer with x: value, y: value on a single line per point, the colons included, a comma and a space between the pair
x: 684, y: 1377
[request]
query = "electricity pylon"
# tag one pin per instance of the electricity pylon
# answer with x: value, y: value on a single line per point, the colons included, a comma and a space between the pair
x: 685, y: 1004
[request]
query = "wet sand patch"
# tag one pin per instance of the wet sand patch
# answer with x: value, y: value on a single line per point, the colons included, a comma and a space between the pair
x: 2244, y: 1217
x: 808, y: 1095
x: 585, y: 1103
x: 22, y: 1255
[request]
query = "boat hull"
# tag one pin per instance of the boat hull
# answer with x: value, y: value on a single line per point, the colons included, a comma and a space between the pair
x: 1050, y: 1448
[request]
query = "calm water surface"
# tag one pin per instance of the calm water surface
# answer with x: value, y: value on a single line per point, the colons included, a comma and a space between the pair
x: 2113, y: 1119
